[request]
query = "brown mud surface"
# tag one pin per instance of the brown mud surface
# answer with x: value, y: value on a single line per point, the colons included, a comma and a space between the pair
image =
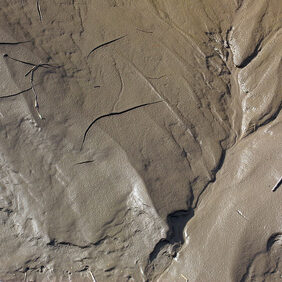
x: 140, y: 140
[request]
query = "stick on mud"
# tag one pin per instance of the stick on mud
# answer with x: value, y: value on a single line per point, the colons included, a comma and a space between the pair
x: 92, y: 276
x: 277, y: 185
x: 16, y: 94
x: 17, y: 60
x: 15, y: 43
x: 113, y: 114
x: 241, y: 214
x: 104, y: 44
x: 39, y: 10
x: 31, y: 72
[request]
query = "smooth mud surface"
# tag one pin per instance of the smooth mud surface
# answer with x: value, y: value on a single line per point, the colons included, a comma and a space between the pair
x: 140, y: 140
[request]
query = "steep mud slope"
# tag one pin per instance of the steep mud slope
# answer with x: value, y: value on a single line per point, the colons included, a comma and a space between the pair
x: 235, y: 234
x: 255, y: 41
x: 122, y: 114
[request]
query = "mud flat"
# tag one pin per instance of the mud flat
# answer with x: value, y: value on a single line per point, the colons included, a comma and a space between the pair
x: 140, y: 140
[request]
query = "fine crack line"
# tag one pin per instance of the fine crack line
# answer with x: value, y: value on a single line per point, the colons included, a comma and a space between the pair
x: 149, y: 77
x: 121, y: 88
x: 142, y: 30
x: 16, y: 94
x: 113, y: 114
x: 36, y: 105
x: 104, y: 44
x: 175, y: 112
x: 84, y: 162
